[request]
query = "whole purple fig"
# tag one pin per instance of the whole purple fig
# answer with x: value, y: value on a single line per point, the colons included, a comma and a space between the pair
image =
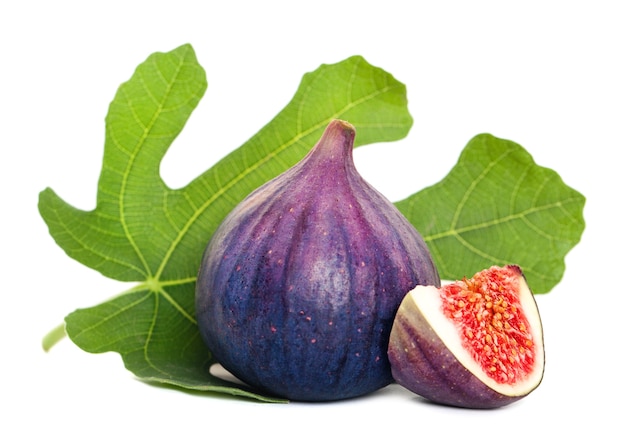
x: 299, y: 285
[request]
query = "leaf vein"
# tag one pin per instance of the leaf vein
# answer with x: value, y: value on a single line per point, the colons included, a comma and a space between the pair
x: 224, y: 189
x: 131, y: 163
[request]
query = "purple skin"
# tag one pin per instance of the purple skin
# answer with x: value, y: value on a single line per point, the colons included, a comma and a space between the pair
x: 299, y: 286
x: 421, y: 363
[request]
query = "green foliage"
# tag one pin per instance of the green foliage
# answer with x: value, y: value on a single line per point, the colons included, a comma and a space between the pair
x: 143, y: 231
x: 496, y: 206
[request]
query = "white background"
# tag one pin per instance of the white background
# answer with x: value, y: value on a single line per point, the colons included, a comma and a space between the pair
x: 549, y: 75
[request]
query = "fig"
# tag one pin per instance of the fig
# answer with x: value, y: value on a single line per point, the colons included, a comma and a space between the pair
x: 474, y: 343
x: 299, y: 285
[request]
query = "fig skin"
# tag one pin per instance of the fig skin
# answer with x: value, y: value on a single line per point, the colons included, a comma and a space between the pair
x: 298, y: 287
x: 422, y: 363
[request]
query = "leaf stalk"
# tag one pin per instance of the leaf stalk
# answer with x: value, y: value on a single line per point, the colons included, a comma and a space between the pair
x: 53, y: 337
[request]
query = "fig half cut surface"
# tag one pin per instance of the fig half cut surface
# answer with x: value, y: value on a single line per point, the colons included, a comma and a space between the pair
x: 474, y: 343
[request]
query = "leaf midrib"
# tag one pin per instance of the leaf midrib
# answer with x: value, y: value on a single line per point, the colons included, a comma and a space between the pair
x: 132, y: 161
x: 454, y: 231
x: 232, y: 182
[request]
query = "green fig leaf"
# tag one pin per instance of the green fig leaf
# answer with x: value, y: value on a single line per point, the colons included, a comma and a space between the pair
x: 496, y: 207
x: 145, y: 232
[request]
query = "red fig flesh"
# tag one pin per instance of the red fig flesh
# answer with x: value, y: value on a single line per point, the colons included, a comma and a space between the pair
x: 475, y: 343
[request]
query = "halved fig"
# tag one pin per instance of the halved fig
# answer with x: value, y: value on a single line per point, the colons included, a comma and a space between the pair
x: 474, y: 343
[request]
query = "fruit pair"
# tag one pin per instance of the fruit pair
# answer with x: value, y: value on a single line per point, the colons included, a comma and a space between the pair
x: 300, y: 285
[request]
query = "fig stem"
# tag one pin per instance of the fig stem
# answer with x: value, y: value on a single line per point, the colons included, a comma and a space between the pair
x: 53, y: 337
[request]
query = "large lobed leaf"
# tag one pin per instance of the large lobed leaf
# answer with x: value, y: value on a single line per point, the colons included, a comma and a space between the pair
x: 143, y: 231
x: 497, y: 206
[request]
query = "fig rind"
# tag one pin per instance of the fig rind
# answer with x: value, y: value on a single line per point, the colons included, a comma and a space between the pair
x: 427, y: 357
x: 298, y: 287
